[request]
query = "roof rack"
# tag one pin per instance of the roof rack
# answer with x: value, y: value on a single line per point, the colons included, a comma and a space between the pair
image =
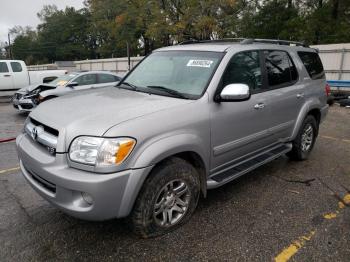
x: 246, y: 41
x: 273, y: 41
x: 222, y: 40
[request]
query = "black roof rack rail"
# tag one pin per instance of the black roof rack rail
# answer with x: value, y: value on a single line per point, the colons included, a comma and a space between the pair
x: 273, y: 41
x: 246, y: 41
x: 221, y: 40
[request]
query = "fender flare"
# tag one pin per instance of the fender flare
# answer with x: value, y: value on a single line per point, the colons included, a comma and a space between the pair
x: 307, y: 107
x: 166, y: 147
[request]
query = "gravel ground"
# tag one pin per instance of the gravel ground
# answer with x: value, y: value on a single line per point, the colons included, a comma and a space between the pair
x: 263, y: 215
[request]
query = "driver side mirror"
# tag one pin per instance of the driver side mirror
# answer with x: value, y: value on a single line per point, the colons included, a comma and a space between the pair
x: 73, y: 84
x: 234, y: 92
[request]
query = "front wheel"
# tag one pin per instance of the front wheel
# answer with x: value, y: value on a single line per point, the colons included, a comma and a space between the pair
x: 305, y: 139
x: 167, y: 199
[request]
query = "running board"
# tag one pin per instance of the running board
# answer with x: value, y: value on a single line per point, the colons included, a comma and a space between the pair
x: 246, y: 166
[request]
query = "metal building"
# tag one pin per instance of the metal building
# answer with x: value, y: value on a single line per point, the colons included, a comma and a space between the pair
x: 336, y: 60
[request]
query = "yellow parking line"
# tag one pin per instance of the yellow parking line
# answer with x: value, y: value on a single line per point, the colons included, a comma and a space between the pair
x: 9, y: 170
x: 346, y: 199
x: 346, y: 140
x: 330, y: 215
x: 293, y: 248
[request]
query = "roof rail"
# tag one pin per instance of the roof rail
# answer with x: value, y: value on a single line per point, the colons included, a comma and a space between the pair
x: 273, y: 41
x: 246, y: 41
x: 222, y: 40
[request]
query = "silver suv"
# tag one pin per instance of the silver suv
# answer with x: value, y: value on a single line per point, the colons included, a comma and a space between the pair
x: 188, y: 118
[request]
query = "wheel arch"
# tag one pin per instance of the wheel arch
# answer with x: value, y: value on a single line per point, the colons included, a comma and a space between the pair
x: 191, y: 157
x: 188, y: 147
x: 308, y: 109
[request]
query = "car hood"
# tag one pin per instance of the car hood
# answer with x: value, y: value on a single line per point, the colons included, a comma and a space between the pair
x: 93, y: 112
x: 28, y: 89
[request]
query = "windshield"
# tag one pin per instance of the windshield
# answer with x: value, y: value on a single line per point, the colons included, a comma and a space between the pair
x: 62, y: 80
x: 185, y: 72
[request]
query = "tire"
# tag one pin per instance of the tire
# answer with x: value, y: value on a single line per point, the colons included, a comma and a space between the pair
x: 330, y: 101
x: 153, y: 199
x: 303, y: 143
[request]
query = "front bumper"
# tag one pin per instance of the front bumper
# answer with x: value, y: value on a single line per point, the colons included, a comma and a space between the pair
x: 113, y: 194
x: 23, y: 105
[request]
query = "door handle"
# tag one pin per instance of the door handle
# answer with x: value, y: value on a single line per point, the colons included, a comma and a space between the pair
x: 7, y: 75
x: 300, y: 95
x: 259, y: 106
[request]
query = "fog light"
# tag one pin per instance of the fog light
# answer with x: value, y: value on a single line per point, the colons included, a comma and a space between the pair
x: 88, y: 198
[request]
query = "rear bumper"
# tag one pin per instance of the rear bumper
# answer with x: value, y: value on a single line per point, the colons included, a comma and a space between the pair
x: 324, y: 112
x: 113, y: 195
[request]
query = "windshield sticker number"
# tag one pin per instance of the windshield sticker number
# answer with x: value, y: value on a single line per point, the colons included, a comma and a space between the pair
x: 200, y: 63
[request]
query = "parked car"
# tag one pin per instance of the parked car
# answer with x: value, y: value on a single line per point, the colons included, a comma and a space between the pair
x: 15, y: 75
x: 186, y: 119
x: 27, y: 98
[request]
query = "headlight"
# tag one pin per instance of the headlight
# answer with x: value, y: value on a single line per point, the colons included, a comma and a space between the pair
x: 99, y: 151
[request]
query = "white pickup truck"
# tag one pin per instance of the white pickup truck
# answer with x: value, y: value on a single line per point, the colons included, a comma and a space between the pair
x: 15, y: 75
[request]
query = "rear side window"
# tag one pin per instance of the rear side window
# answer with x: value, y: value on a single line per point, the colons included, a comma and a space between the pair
x: 107, y: 78
x: 88, y: 79
x: 280, y: 68
x: 3, y: 67
x: 313, y: 64
x: 16, y: 67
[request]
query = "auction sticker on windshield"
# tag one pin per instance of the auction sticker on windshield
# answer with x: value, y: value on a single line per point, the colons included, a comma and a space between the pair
x: 62, y: 83
x: 200, y: 63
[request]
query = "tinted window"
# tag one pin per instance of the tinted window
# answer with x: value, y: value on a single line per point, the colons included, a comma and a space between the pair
x: 88, y: 79
x: 3, y: 67
x: 106, y: 78
x: 313, y: 64
x: 16, y: 67
x: 279, y: 67
x: 244, y: 68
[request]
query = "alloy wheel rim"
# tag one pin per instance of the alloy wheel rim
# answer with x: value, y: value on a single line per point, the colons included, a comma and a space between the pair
x: 307, y: 138
x: 171, y: 203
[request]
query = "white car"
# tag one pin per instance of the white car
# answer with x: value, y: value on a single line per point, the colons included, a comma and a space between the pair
x: 15, y: 75
x: 26, y: 99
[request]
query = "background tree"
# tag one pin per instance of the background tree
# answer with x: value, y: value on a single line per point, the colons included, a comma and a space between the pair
x: 103, y: 28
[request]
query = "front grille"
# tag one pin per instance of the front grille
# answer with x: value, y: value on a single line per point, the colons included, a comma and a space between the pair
x: 42, y: 134
x: 26, y: 106
x: 46, y: 128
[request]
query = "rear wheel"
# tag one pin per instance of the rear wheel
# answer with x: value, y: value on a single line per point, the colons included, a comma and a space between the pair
x: 167, y: 199
x: 305, y: 140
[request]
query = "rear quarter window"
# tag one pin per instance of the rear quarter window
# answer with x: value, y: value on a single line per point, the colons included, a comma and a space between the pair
x: 313, y: 64
x: 16, y: 67
x: 107, y: 78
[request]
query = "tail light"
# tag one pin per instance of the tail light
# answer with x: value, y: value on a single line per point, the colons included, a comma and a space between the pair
x: 328, y: 89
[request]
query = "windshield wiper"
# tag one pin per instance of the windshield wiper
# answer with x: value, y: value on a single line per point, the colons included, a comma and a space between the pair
x: 169, y: 91
x: 133, y: 87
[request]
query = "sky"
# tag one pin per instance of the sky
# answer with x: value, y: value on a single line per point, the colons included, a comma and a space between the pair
x: 23, y: 12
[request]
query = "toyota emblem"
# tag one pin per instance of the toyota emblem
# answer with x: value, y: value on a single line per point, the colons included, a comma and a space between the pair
x: 34, y: 133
